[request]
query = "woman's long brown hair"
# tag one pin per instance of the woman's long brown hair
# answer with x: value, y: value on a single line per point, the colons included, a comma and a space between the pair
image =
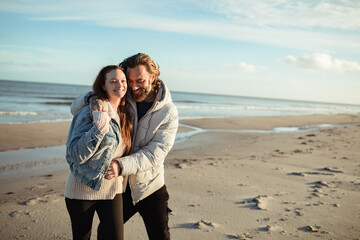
x: 125, y: 120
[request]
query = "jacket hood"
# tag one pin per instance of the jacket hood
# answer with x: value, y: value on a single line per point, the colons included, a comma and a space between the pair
x: 163, y: 97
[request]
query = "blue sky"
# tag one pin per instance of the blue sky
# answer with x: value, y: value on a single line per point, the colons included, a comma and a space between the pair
x: 303, y: 50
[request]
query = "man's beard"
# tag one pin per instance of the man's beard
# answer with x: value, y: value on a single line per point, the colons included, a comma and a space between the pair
x: 142, y: 96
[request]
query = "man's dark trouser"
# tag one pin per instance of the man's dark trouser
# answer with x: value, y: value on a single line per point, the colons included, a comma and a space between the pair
x: 153, y: 210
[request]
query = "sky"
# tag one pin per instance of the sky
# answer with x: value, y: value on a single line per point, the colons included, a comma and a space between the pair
x: 302, y: 50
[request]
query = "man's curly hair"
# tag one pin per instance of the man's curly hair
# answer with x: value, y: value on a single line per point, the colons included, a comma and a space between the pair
x: 151, y: 67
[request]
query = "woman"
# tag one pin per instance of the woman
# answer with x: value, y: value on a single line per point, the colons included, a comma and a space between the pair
x: 93, y: 145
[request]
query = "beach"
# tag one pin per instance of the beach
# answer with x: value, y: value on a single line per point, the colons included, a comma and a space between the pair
x: 233, y: 178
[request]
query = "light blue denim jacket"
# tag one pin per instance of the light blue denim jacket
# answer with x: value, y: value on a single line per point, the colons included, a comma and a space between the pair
x: 89, y: 152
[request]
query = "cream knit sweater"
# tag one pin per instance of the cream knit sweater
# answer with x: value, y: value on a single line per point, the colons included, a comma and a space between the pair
x: 109, y: 188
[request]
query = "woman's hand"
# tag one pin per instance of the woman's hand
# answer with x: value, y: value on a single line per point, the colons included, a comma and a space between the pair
x: 113, y: 171
x: 96, y: 104
x: 102, y: 121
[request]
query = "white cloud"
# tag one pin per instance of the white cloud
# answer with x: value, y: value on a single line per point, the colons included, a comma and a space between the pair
x: 299, y: 13
x: 35, y: 49
x: 194, y: 69
x: 22, y: 61
x: 322, y: 62
x: 61, y: 18
x: 25, y: 66
x: 312, y: 26
x: 346, y: 66
x: 19, y: 58
x: 244, y: 67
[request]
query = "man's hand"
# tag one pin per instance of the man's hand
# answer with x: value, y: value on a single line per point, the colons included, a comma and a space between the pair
x: 96, y: 104
x: 113, y: 171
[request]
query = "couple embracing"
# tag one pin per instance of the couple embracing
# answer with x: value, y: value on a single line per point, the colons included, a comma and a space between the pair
x: 116, y: 149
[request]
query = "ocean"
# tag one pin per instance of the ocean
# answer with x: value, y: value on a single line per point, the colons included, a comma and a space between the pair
x: 47, y: 102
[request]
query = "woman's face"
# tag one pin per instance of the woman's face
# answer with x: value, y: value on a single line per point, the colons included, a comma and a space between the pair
x: 115, y: 84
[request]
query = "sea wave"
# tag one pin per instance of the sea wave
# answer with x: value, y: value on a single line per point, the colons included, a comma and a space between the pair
x: 27, y: 165
x: 2, y: 113
x: 249, y: 108
x: 57, y: 120
x: 58, y: 103
x: 52, y: 120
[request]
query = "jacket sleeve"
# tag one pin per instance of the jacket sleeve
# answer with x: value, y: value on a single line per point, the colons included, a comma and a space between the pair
x: 155, y: 151
x: 84, y: 140
x: 80, y: 102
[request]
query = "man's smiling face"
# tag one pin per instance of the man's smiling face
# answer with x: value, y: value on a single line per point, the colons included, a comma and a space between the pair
x: 140, y: 82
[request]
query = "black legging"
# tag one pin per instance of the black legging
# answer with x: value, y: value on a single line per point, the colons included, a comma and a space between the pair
x: 110, y: 214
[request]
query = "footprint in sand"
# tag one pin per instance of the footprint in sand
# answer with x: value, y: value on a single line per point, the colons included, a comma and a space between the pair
x: 260, y: 201
x: 205, y: 225
x: 39, y: 186
x: 320, y: 188
x: 273, y: 228
x: 34, y: 201
x: 298, y: 212
x: 318, y: 193
x: 319, y: 203
x: 323, y: 184
x: 30, y: 202
x: 314, y: 229
x: 19, y: 214
x: 185, y: 163
x: 181, y: 165
x: 331, y: 169
x: 270, y: 228
x: 244, y: 236
x: 303, y: 174
x: 14, y: 214
x: 194, y: 205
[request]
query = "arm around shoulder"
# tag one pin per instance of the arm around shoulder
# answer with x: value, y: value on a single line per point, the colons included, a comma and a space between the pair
x: 80, y: 102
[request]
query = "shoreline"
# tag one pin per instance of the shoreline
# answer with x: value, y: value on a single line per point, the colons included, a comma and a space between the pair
x: 50, y: 134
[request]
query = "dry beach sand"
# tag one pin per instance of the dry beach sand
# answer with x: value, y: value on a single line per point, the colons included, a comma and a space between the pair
x: 223, y: 184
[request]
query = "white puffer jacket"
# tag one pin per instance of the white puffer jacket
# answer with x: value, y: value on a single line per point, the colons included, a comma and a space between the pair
x: 153, y: 138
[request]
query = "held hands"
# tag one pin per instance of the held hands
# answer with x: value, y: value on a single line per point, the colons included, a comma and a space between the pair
x: 113, y: 171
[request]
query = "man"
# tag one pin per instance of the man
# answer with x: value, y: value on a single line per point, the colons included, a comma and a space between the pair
x: 155, y: 123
